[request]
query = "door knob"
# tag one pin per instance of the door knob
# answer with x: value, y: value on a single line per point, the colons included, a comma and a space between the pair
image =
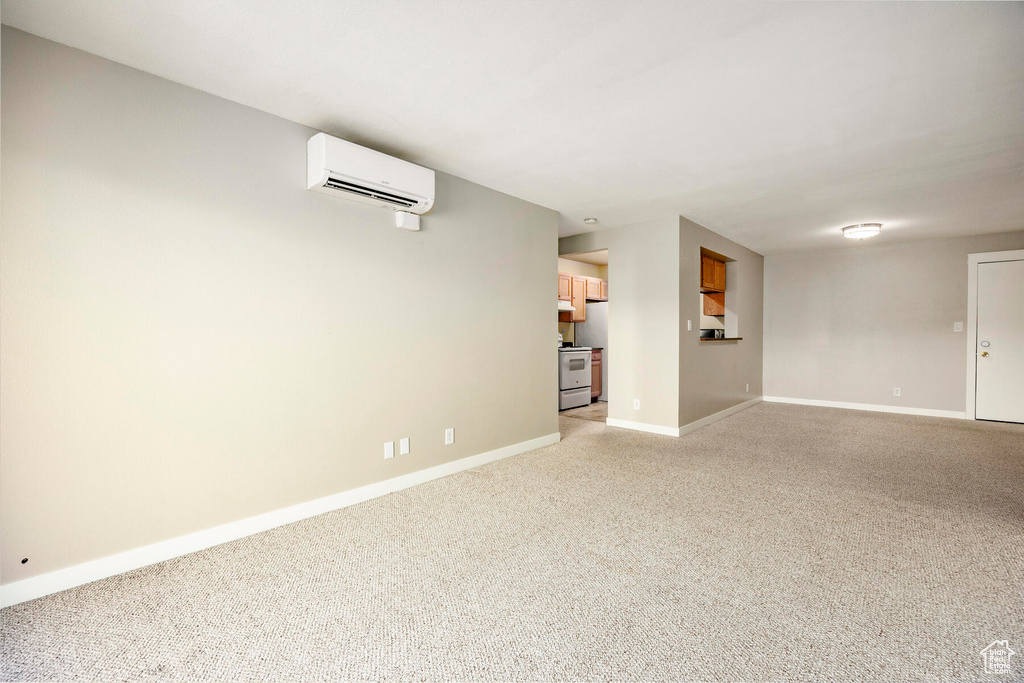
x: 984, y: 354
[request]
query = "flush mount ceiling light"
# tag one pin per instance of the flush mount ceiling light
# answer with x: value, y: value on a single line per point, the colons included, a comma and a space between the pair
x: 862, y: 231
x: 589, y: 221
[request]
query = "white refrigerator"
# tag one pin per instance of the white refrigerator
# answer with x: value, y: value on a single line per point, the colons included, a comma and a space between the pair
x: 594, y: 333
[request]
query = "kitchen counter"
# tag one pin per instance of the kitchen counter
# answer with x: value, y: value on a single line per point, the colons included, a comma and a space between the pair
x: 712, y: 339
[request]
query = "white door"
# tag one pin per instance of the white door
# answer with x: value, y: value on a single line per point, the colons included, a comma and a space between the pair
x: 1000, y: 352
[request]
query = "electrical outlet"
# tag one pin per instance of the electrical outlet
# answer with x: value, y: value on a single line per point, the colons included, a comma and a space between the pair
x: 748, y: 388
x: 403, y: 446
x: 895, y: 391
x: 449, y: 436
x: 636, y: 404
x: 958, y: 327
x: 389, y: 450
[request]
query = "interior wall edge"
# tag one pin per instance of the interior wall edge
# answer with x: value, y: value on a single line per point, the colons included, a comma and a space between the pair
x: 720, y: 415
x: 683, y: 429
x: 642, y: 427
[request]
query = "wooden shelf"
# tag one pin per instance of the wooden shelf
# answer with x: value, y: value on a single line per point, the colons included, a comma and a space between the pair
x: 712, y: 339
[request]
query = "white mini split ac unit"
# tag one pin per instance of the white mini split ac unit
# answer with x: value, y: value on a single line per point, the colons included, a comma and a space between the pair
x: 338, y: 167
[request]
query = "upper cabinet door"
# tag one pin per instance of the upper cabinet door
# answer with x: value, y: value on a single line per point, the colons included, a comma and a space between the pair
x: 720, y: 276
x: 712, y: 274
x: 604, y: 290
x: 564, y: 287
x: 707, y: 272
x: 593, y: 289
x: 579, y: 299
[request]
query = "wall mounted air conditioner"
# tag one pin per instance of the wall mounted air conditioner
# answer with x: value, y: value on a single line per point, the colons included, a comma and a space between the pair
x: 335, y: 166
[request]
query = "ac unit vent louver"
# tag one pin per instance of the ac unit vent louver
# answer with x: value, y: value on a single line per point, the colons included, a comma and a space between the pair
x: 343, y: 169
x: 395, y: 199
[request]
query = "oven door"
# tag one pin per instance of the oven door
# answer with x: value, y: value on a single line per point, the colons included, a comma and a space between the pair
x: 573, y: 369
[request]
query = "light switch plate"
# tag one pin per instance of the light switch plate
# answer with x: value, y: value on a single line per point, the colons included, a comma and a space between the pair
x: 403, y: 446
x: 389, y: 450
x: 689, y: 326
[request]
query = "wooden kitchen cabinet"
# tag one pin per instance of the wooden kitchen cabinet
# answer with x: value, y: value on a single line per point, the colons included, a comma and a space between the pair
x: 714, y: 303
x: 597, y: 289
x: 564, y: 287
x: 720, y: 276
x: 577, y: 290
x: 712, y: 274
x: 595, y: 374
x: 579, y: 299
x: 707, y: 272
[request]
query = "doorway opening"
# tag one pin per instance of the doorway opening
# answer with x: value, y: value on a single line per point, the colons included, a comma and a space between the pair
x: 583, y: 287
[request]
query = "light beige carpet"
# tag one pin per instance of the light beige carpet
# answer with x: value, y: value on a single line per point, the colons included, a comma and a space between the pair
x: 783, y: 543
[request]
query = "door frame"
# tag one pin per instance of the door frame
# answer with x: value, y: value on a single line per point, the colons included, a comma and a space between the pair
x: 973, y: 261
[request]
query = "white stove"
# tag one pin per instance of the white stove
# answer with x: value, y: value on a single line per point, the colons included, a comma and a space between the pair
x: 573, y: 376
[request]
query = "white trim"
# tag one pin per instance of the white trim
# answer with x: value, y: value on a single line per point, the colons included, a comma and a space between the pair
x: 972, y: 316
x: 94, y: 570
x: 705, y: 421
x: 873, y: 407
x: 642, y: 427
x: 685, y: 429
x: 996, y: 256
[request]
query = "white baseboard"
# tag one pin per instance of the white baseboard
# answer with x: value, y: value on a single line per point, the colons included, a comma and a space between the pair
x: 705, y: 421
x: 87, y: 572
x: 685, y: 429
x: 642, y: 427
x: 873, y: 407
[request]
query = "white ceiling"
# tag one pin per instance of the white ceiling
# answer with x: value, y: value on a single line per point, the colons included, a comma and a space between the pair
x: 774, y: 124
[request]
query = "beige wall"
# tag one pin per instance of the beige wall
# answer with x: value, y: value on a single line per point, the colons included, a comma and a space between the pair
x: 583, y: 269
x: 654, y: 287
x: 713, y: 376
x: 568, y: 332
x: 849, y: 325
x: 643, y: 317
x: 190, y: 337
